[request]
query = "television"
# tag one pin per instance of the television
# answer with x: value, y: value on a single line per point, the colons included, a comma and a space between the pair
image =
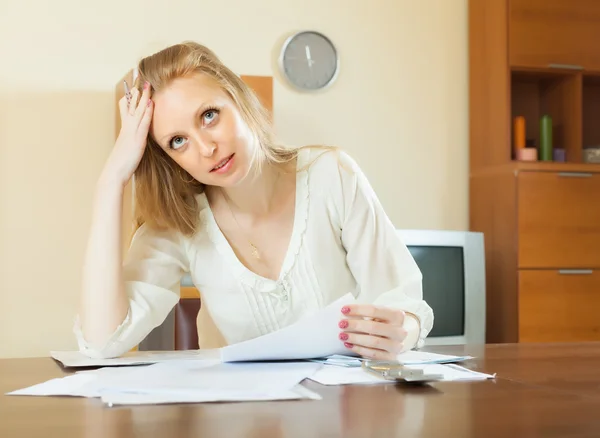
x: 453, y: 268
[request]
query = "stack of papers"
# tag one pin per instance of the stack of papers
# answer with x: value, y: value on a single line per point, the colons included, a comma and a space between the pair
x: 186, y: 381
x: 309, y: 349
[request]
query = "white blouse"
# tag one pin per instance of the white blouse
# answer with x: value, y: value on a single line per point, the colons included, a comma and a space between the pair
x: 342, y: 241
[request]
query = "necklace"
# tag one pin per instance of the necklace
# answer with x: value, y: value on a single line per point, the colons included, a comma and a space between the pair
x: 254, y: 250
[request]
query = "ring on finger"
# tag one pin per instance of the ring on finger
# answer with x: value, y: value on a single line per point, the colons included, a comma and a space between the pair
x: 133, y: 100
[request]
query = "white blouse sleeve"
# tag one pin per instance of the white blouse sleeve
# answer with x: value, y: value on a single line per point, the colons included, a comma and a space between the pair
x: 382, y: 265
x: 152, y: 272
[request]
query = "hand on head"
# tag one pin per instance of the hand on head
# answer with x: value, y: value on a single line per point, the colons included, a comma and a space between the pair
x: 136, y: 114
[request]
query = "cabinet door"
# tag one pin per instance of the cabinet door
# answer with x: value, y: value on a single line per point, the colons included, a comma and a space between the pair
x: 554, y: 32
x: 558, y: 216
x: 557, y: 306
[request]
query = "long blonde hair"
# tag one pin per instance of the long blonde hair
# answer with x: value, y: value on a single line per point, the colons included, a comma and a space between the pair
x: 164, y: 192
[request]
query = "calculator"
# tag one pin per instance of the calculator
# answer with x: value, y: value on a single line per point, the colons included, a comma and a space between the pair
x: 399, y: 372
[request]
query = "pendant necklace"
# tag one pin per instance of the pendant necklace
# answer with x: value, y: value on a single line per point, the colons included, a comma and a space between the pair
x: 254, y: 250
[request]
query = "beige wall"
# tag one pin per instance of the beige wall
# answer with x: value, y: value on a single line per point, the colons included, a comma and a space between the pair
x: 399, y: 106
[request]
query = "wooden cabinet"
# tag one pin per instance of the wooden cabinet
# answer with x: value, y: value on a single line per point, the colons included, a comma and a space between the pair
x: 540, y: 219
x: 554, y: 33
x: 559, y: 305
x: 558, y: 215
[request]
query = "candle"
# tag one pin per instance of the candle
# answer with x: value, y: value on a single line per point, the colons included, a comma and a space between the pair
x: 519, y: 132
x: 545, y: 138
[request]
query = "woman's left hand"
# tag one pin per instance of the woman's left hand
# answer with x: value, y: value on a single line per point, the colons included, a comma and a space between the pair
x: 373, y: 332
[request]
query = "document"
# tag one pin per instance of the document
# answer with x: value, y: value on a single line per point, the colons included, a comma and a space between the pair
x: 416, y: 357
x: 74, y: 359
x: 312, y: 337
x: 413, y: 357
x: 335, y: 375
x: 297, y: 393
x: 184, y: 381
x: 315, y: 336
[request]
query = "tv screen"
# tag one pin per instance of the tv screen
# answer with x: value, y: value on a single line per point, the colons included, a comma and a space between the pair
x: 443, y: 286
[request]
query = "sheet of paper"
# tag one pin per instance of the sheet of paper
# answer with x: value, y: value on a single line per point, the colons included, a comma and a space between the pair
x: 416, y: 357
x: 221, y: 378
x: 335, y: 375
x: 183, y: 381
x: 453, y: 372
x: 407, y: 358
x: 74, y: 359
x: 75, y: 385
x: 296, y: 393
x: 340, y: 360
x: 315, y: 336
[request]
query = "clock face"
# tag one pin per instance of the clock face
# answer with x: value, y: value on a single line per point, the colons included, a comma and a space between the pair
x: 309, y: 60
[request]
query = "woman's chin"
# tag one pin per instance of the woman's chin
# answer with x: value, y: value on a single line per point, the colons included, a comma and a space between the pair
x: 231, y: 180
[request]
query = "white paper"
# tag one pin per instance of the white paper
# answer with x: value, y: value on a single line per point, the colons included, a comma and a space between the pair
x: 315, y: 336
x: 184, y: 381
x: 75, y: 359
x: 416, y: 357
x: 297, y: 393
x: 341, y: 360
x: 335, y: 375
x: 221, y: 378
x: 74, y: 385
x: 453, y: 372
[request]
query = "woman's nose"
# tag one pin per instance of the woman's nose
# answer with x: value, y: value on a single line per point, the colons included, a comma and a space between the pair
x: 208, y: 148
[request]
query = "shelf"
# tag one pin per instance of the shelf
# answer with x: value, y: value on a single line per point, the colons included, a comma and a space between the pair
x: 557, y: 93
x: 550, y: 166
x: 535, y: 166
x: 591, y: 110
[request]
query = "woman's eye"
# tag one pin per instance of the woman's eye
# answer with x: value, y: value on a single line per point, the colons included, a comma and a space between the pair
x: 178, y: 142
x: 209, y: 116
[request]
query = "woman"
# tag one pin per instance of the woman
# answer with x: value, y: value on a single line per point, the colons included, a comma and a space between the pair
x: 268, y: 234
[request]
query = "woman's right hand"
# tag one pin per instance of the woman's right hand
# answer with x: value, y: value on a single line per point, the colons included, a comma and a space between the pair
x: 127, y: 153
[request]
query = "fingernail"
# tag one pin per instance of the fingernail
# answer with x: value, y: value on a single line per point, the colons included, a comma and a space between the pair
x: 344, y: 336
x: 343, y: 324
x: 146, y: 85
x: 149, y: 102
x: 348, y: 345
x: 345, y: 309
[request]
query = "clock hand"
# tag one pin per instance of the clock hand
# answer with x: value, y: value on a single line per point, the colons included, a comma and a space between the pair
x: 308, y: 58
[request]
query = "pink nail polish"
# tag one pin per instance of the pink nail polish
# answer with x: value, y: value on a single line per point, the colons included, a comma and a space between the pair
x: 348, y: 345
x: 344, y: 336
x: 149, y: 102
x: 345, y: 309
x: 146, y: 84
x: 343, y: 324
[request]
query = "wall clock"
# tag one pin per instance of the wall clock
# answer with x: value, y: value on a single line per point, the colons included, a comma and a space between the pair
x: 309, y: 61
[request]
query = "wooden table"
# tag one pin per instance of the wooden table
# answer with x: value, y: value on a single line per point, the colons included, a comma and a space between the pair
x: 540, y: 391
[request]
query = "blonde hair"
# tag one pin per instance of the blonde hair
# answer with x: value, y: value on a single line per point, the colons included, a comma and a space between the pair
x: 165, y: 193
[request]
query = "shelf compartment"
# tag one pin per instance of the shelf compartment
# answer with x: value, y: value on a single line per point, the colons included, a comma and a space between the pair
x: 557, y: 93
x: 591, y: 110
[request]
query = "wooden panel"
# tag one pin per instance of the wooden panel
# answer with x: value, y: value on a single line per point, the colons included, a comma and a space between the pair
x: 555, y: 307
x: 546, y: 32
x: 591, y: 110
x: 493, y: 212
x: 559, y: 220
x: 489, y: 111
x: 550, y: 166
x: 263, y: 87
x: 189, y: 293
